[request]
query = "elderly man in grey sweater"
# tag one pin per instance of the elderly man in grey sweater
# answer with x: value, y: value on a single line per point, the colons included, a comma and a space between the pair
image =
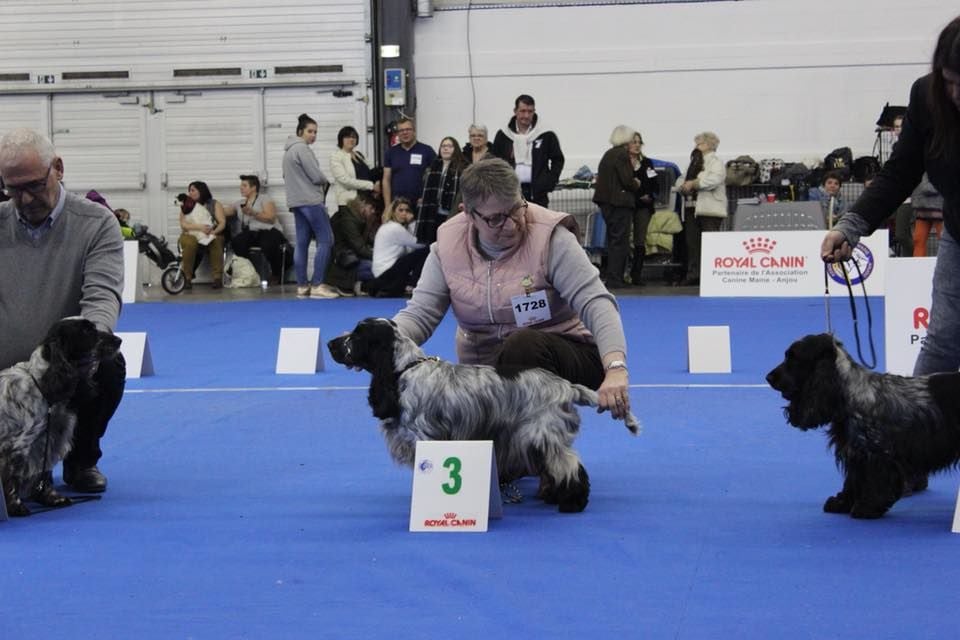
x: 60, y: 255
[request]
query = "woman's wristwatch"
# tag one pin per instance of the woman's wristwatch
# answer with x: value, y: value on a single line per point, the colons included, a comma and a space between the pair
x: 617, y: 364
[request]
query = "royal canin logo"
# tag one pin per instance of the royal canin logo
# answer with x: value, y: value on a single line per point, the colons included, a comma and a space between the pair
x: 450, y: 520
x: 759, y: 250
x: 759, y: 245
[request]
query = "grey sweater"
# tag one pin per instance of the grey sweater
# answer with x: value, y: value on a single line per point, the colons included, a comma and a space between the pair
x: 303, y: 180
x: 75, y: 269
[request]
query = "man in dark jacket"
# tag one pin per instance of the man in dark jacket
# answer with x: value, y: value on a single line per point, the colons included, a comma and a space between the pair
x: 532, y: 150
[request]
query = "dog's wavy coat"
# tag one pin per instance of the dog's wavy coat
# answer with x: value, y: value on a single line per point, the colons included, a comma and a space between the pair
x: 36, y: 419
x: 884, y: 429
x: 531, y: 418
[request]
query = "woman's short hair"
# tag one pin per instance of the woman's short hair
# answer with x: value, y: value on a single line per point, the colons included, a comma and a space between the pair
x: 346, y: 132
x: 490, y: 177
x: 482, y: 128
x: 621, y: 135
x: 708, y: 137
x: 832, y: 175
x: 252, y: 180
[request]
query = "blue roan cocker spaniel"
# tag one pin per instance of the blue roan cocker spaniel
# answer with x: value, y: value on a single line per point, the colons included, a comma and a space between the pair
x: 531, y: 417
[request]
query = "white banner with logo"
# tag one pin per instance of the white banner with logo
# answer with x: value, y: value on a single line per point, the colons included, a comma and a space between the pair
x: 907, y: 311
x: 786, y: 264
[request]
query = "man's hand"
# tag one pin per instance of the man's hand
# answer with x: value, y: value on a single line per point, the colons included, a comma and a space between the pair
x: 835, y: 247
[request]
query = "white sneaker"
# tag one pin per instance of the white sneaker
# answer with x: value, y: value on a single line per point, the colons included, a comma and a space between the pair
x: 323, y: 291
x: 303, y: 292
x: 358, y: 290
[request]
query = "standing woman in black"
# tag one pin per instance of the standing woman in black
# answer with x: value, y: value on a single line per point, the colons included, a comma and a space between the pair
x: 645, y: 197
x: 614, y: 192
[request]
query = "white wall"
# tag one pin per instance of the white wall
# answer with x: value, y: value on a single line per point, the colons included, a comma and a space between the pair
x: 772, y: 78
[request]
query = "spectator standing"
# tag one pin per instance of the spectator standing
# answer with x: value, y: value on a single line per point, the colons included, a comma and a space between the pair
x: 532, y: 150
x: 404, y: 164
x: 646, y: 196
x: 479, y: 146
x: 615, y: 194
x: 441, y: 190
x: 711, y: 196
x: 62, y: 256
x: 350, y: 171
x: 306, y: 191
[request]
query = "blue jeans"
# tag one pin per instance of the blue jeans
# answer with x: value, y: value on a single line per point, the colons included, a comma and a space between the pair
x: 312, y: 223
x: 941, y: 350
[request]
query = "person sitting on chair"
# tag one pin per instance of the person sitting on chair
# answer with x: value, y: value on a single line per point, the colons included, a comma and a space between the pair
x: 202, y: 221
x: 255, y: 224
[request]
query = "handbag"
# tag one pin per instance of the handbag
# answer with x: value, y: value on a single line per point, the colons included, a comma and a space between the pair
x: 346, y: 259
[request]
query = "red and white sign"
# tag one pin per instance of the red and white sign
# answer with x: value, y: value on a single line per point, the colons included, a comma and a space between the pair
x: 785, y: 264
x: 907, y: 311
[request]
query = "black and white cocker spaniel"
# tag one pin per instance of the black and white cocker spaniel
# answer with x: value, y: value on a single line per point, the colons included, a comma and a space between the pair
x: 36, y: 418
x: 531, y: 417
x: 884, y: 429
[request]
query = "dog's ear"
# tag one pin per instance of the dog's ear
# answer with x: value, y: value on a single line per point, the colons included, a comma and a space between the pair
x: 59, y: 381
x: 384, y: 395
x: 821, y: 399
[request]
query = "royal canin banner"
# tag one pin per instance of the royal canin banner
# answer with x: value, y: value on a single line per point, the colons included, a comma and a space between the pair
x: 907, y: 311
x: 786, y: 264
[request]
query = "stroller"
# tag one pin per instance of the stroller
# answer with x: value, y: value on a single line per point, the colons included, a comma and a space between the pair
x: 158, y: 252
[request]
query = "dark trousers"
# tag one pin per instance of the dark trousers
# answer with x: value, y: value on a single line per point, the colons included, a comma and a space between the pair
x: 578, y: 362
x: 641, y: 222
x: 271, y: 243
x: 618, y: 221
x: 95, y: 406
x: 695, y: 229
x: 404, y: 272
x: 542, y: 199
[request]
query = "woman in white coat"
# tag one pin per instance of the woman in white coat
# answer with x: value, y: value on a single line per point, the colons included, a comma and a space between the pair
x: 349, y: 168
x: 711, y: 195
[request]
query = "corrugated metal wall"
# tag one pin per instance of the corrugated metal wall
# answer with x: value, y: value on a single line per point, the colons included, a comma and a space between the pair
x: 142, y: 97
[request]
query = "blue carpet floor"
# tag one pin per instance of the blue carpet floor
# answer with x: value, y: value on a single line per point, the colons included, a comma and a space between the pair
x: 243, y: 504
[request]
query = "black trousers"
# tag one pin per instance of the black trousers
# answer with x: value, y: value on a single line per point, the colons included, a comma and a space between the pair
x: 404, y: 272
x: 270, y: 241
x: 95, y: 406
x: 542, y: 199
x: 578, y: 362
x: 618, y: 221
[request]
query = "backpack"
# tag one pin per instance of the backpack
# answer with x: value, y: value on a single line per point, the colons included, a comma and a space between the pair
x: 770, y: 170
x: 841, y: 161
x: 742, y: 171
x: 865, y: 167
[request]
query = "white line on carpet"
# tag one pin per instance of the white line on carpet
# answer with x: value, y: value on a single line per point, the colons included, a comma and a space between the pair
x: 365, y: 387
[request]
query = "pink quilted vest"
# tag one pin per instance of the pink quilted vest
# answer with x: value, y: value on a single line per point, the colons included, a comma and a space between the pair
x: 480, y: 289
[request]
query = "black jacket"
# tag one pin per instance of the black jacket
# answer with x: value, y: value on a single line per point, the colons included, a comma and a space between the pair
x: 615, y: 183
x: 908, y: 160
x: 547, y: 159
x: 348, y: 235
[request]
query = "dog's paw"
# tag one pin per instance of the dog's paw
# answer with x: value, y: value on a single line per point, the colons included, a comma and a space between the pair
x: 837, y: 504
x: 573, y: 495
x: 867, y: 512
x: 17, y: 509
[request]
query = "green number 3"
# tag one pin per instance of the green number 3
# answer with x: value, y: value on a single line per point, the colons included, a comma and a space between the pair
x: 452, y: 487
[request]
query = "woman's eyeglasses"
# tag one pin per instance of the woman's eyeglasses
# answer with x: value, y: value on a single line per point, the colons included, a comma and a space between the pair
x: 497, y: 220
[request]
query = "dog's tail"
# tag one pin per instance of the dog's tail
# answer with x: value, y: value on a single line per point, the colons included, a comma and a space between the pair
x: 587, y: 397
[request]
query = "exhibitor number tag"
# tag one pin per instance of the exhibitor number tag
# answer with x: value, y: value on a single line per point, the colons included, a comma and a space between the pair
x: 530, y: 308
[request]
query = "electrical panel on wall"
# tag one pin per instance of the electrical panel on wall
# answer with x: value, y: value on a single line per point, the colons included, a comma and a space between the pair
x: 394, y: 87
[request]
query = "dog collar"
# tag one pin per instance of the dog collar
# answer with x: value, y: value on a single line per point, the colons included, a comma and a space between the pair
x: 420, y: 360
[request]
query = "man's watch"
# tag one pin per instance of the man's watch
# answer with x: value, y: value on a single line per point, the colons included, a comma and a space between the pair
x: 617, y: 364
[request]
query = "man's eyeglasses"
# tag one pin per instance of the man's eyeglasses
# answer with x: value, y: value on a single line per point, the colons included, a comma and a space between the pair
x: 35, y: 188
x: 497, y: 220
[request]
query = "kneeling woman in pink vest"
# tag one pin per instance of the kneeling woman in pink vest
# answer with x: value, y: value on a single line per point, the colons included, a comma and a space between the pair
x: 522, y: 290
